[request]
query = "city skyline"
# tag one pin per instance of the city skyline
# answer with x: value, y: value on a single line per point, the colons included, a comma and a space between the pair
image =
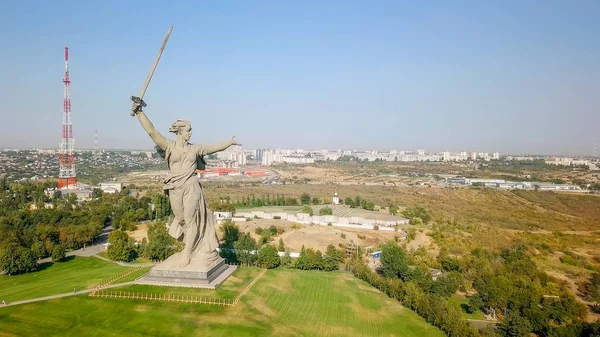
x: 514, y: 78
x: 345, y: 151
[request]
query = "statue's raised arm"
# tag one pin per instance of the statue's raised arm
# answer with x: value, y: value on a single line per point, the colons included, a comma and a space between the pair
x: 157, y: 138
x: 204, y: 150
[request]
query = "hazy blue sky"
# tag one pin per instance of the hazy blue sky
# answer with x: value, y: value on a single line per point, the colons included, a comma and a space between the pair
x: 508, y: 76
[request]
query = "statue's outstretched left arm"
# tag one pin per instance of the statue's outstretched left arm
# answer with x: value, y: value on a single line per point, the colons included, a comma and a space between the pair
x: 218, y: 147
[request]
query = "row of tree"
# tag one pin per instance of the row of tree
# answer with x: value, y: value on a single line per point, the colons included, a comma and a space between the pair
x: 264, y: 200
x: 506, y: 285
x: 359, y: 202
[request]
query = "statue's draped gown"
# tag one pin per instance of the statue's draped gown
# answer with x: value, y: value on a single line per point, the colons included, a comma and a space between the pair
x: 188, y: 201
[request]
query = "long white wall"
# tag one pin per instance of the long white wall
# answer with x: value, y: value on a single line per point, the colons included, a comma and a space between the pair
x: 324, y: 220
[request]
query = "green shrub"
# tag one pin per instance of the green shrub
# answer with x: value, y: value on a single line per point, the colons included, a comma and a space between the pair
x: 58, y: 253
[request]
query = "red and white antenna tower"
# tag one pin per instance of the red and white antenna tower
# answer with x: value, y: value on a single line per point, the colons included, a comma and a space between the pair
x: 66, y: 174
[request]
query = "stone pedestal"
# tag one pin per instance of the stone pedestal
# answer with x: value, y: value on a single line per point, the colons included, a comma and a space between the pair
x: 209, y: 276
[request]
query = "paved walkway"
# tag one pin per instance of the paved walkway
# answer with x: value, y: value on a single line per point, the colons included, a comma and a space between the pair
x: 85, y: 291
x: 92, y: 250
x: 95, y: 249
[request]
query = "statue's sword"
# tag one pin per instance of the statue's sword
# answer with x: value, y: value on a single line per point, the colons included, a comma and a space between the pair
x: 139, y: 100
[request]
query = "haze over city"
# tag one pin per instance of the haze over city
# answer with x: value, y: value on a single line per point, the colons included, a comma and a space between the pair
x: 511, y: 77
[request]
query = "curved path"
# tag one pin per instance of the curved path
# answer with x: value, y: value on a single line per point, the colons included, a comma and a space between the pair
x: 92, y: 250
x: 46, y: 298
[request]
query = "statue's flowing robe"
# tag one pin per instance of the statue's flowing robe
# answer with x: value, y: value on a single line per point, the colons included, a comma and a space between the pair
x: 187, y: 197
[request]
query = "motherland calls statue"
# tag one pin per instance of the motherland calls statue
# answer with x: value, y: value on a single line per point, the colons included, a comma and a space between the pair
x: 194, y: 223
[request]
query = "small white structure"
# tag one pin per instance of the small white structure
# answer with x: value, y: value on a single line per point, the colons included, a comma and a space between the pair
x: 111, y: 188
x: 336, y: 199
x: 220, y: 216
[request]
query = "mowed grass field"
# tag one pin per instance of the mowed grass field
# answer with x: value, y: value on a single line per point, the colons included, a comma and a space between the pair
x: 56, y: 278
x: 282, y: 303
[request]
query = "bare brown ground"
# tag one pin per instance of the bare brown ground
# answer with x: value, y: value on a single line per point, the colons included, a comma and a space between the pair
x: 315, y: 236
x: 425, y: 241
x: 140, y: 233
x: 311, y: 236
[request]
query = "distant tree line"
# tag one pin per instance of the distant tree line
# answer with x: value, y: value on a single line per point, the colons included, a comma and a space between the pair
x: 359, y: 202
x: 265, y: 200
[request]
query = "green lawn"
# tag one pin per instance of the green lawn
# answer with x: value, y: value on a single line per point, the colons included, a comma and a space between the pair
x: 461, y: 303
x: 282, y: 303
x: 134, y: 275
x: 56, y: 278
x: 312, y: 303
x: 137, y: 260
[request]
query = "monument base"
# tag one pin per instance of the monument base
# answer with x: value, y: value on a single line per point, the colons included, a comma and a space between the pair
x: 204, y: 277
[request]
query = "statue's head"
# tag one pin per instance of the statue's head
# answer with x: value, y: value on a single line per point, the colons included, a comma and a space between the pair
x: 182, y: 128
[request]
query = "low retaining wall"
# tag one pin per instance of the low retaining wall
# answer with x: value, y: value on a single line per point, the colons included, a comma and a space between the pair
x: 304, y: 218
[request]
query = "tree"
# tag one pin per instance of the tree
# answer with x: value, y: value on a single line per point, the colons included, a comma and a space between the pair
x: 316, y: 201
x: 357, y: 202
x: 314, y: 259
x: 448, y: 263
x: 160, y: 244
x: 475, y: 303
x: 58, y: 253
x: 38, y: 249
x: 245, y: 248
x: 97, y: 193
x: 325, y: 211
x: 514, y: 325
x: 348, y: 202
x: 268, y: 257
x: 394, y: 261
x: 302, y: 262
x: 231, y: 233
x: 15, y: 259
x: 281, y: 247
x: 307, y: 209
x: 305, y: 199
x: 121, y: 246
x: 331, y: 259
x: 393, y: 209
x: 447, y: 285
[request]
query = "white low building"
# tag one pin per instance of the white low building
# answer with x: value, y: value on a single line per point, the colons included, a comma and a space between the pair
x: 112, y: 187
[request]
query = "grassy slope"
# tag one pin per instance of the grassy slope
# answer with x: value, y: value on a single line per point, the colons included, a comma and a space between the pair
x: 331, y: 304
x: 57, y: 278
x: 282, y: 303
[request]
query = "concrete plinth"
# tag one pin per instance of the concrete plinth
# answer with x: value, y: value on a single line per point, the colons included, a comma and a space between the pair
x: 209, y: 277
